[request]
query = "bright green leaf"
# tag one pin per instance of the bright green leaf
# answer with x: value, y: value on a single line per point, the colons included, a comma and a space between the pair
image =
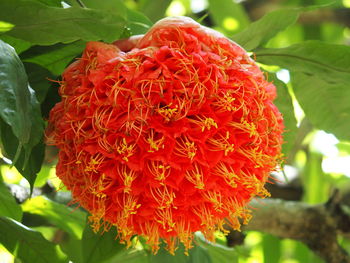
x: 60, y: 215
x: 328, y: 61
x: 26, y: 244
x: 154, y: 9
x: 325, y: 104
x: 45, y: 25
x: 271, y: 248
x: 97, y: 247
x: 8, y: 204
x: 285, y: 106
x: 4, y: 26
x: 228, y: 15
x: 320, y: 79
x: 265, y: 28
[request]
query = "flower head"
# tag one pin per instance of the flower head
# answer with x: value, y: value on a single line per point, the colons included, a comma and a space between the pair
x: 166, y: 134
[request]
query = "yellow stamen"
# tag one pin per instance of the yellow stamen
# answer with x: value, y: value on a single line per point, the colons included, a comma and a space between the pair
x: 159, y: 170
x: 128, y: 176
x: 155, y: 144
x: 222, y: 144
x: 163, y: 196
x: 124, y: 149
x: 184, y: 147
x: 195, y: 176
x: 204, y: 122
x: 226, y: 172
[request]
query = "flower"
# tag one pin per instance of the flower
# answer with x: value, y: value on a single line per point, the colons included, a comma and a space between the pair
x: 166, y: 134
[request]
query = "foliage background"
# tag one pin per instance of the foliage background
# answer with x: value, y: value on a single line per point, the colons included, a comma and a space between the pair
x: 303, y: 44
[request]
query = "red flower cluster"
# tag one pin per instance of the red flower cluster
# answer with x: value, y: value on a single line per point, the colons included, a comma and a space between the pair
x: 171, y: 133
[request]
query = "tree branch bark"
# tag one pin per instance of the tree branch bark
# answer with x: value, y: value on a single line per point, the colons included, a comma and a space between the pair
x: 317, y: 226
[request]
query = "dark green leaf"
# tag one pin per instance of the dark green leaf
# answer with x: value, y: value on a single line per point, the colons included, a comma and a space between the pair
x: 26, y: 244
x: 285, y: 106
x: 328, y: 61
x: 325, y: 104
x: 19, y: 107
x: 14, y: 93
x: 8, y: 204
x: 56, y: 57
x: 259, y: 32
x: 197, y: 254
x: 45, y: 25
x: 99, y: 247
x: 60, y: 215
x: 228, y: 15
x: 39, y: 79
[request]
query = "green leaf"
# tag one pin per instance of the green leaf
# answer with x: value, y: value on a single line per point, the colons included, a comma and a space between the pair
x: 60, y: 215
x: 71, y: 246
x: 39, y: 79
x: 259, y: 32
x: 57, y: 3
x: 198, y: 253
x: 98, y: 247
x: 19, y: 107
x: 327, y: 61
x: 154, y: 9
x: 14, y: 93
x: 315, y: 185
x: 4, y: 26
x: 26, y: 244
x: 320, y: 79
x: 228, y: 15
x: 218, y: 253
x: 325, y: 104
x: 18, y: 44
x: 34, y: 23
x: 271, y: 248
x: 137, y: 22
x: 8, y: 204
x: 285, y: 106
x: 9, y: 145
x: 54, y: 58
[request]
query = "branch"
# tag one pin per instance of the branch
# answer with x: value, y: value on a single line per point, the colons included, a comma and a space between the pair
x: 316, y: 226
